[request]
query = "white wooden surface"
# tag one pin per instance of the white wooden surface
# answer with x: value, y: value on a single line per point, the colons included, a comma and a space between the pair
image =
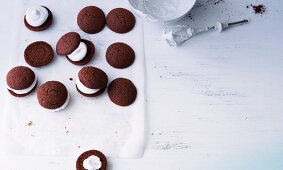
x: 214, y: 103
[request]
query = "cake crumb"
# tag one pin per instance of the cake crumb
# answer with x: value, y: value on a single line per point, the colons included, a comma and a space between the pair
x: 67, y: 131
x: 30, y: 123
x: 79, y: 147
x: 71, y: 79
x: 258, y: 9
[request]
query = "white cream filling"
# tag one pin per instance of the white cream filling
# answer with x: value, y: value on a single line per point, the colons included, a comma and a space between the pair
x: 24, y: 91
x: 92, y: 163
x: 85, y: 89
x: 79, y: 53
x: 63, y: 106
x: 36, y: 16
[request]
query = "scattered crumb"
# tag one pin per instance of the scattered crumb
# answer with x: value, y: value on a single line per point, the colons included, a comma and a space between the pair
x: 208, y: 3
x: 30, y: 123
x: 79, y: 147
x: 67, y: 131
x: 115, y: 132
x: 152, y: 133
x: 190, y: 17
x: 258, y: 9
x: 71, y: 79
x: 32, y: 135
x: 217, y: 2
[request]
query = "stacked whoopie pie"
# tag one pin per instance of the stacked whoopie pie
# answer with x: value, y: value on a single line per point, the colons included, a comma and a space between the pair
x: 91, y: 81
x: 78, y: 51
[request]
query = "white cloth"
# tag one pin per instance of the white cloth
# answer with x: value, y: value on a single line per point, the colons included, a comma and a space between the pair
x: 87, y: 123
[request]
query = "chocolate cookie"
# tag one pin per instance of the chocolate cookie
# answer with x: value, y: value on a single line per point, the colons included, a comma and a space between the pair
x: 21, y: 81
x: 120, y: 20
x: 38, y: 54
x: 122, y: 92
x: 53, y: 95
x: 42, y: 27
x: 102, y: 162
x: 68, y: 43
x: 120, y: 55
x: 89, y: 54
x: 91, y: 81
x: 91, y: 19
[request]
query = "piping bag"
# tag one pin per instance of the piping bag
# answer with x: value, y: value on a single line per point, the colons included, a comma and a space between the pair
x: 176, y: 35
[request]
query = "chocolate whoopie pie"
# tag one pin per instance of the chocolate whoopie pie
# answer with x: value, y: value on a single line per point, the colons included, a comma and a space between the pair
x: 53, y: 96
x: 38, y: 54
x: 78, y: 51
x: 91, y: 19
x: 120, y: 20
x: 38, y: 18
x: 91, y: 81
x: 120, y: 55
x: 92, y: 159
x: 21, y: 81
x: 122, y: 92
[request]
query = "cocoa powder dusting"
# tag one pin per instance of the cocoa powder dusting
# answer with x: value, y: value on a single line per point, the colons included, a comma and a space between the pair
x: 258, y: 9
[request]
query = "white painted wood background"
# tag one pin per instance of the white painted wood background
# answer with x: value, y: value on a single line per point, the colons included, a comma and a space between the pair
x: 216, y: 103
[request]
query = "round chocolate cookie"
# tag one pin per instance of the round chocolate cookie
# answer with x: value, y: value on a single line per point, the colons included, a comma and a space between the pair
x: 91, y: 81
x: 91, y: 19
x: 120, y: 55
x: 122, y: 92
x: 68, y: 43
x: 89, y: 54
x: 102, y: 162
x: 120, y: 20
x: 38, y: 54
x: 21, y: 81
x: 52, y: 95
x: 44, y: 26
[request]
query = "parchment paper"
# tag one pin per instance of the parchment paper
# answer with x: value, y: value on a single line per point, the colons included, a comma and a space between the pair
x: 87, y: 123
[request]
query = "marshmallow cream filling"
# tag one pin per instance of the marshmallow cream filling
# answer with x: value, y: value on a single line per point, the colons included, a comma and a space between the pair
x: 24, y: 91
x: 63, y: 106
x: 36, y: 16
x: 79, y: 53
x: 85, y: 89
x: 92, y: 163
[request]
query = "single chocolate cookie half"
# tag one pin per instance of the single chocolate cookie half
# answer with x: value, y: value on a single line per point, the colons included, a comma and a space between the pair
x: 38, y: 18
x: 53, y: 96
x: 68, y: 43
x: 38, y: 54
x: 120, y: 55
x: 92, y: 159
x: 120, y: 20
x: 91, y: 81
x: 91, y: 19
x: 122, y: 92
x: 78, y: 51
x: 21, y: 81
